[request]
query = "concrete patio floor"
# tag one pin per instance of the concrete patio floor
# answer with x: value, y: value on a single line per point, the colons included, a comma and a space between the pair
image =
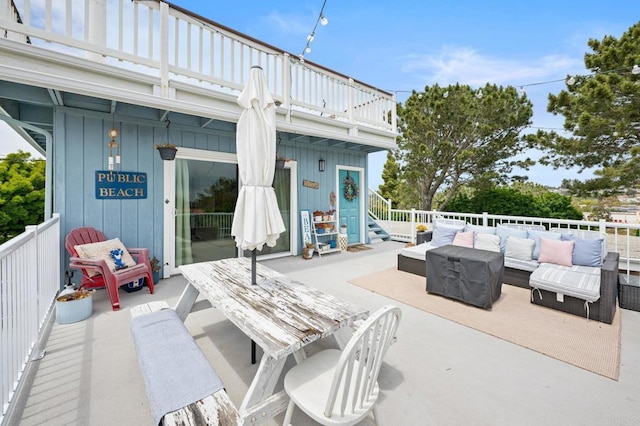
x: 438, y: 373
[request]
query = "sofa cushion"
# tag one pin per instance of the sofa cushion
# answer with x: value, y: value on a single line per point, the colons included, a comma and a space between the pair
x: 536, y: 235
x: 522, y: 265
x: 488, y: 242
x: 463, y: 239
x: 480, y: 229
x: 519, y: 248
x: 585, y: 252
x: 581, y: 282
x: 417, y: 252
x: 444, y: 234
x: 556, y: 251
x: 503, y: 232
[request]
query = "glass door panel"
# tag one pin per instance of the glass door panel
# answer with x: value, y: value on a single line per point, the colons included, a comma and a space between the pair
x: 206, y: 194
x: 282, y: 186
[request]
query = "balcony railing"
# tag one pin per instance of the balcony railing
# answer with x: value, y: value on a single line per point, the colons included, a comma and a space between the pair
x: 29, y: 282
x: 175, y: 46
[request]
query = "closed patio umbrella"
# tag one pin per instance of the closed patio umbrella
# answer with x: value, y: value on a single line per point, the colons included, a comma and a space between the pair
x: 256, y: 220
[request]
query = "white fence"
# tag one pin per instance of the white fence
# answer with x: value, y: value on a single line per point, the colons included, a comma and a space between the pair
x: 168, y: 43
x: 29, y: 282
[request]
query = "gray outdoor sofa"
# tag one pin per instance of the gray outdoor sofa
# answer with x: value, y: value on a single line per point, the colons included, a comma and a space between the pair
x: 553, y: 286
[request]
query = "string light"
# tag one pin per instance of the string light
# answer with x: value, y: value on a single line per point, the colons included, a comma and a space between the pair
x: 321, y: 20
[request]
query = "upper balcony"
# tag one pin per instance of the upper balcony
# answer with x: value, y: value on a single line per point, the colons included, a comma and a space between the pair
x: 156, y: 54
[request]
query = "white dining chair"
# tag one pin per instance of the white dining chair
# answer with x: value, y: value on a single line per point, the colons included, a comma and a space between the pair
x: 341, y: 387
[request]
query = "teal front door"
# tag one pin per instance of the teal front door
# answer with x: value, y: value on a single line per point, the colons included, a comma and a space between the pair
x: 349, y: 203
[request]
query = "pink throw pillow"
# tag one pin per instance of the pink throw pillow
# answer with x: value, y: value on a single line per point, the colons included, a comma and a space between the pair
x: 463, y: 239
x: 555, y: 251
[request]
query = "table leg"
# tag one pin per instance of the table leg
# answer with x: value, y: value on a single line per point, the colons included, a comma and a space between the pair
x: 186, y: 301
x: 264, y: 382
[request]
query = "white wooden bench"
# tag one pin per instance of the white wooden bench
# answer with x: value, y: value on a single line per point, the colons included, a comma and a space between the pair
x: 215, y: 409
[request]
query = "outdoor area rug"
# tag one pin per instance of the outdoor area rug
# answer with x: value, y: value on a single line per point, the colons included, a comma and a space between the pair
x: 591, y: 345
x: 358, y: 247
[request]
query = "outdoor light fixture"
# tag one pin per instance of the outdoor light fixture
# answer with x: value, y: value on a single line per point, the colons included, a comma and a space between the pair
x: 312, y: 35
x: 479, y: 94
x: 321, y: 165
x: 323, y: 19
x: 114, y: 148
x: 635, y: 70
x: 571, y: 81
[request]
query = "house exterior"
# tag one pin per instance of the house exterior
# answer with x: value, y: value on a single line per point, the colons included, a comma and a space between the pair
x: 70, y: 72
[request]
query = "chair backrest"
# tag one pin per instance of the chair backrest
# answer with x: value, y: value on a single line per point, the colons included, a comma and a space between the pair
x: 79, y: 236
x: 356, y: 374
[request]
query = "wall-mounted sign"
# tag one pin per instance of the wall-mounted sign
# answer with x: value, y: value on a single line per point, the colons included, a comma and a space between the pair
x: 305, y: 225
x: 120, y: 185
x: 310, y: 184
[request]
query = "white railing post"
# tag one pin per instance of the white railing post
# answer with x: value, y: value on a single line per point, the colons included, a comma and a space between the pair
x: 485, y: 219
x: 412, y: 232
x: 389, y: 217
x: 96, y: 27
x: 286, y: 84
x: 164, y: 49
x: 602, y: 226
x: 350, y: 105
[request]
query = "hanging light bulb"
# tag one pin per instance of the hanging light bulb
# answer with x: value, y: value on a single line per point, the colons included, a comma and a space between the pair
x: 308, y: 49
x: 445, y: 94
x: 635, y: 70
x: 323, y: 19
x: 571, y: 81
x: 522, y: 91
x: 310, y: 37
x: 479, y: 94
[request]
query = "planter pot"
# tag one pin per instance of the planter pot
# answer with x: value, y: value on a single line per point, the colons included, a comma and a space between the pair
x: 307, y: 253
x: 74, y: 310
x: 317, y: 218
x: 167, y: 153
x: 343, y: 230
x: 320, y: 231
x: 156, y: 276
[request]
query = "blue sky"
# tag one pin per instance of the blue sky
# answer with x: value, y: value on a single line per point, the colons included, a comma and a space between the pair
x: 408, y: 44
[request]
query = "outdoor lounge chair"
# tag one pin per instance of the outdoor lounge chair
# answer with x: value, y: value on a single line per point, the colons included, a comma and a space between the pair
x: 98, y: 271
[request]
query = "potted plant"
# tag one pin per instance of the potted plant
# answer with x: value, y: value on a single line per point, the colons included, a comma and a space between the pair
x: 167, y: 150
x: 155, y: 269
x: 74, y: 306
x: 343, y: 228
x: 307, y: 250
x: 317, y: 215
x: 421, y: 234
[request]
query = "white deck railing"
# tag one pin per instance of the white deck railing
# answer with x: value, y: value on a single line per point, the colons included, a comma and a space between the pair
x: 623, y: 238
x: 171, y: 44
x: 29, y: 282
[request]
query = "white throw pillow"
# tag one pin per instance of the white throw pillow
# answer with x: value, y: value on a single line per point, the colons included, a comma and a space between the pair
x: 519, y: 248
x: 102, y: 250
x: 488, y: 242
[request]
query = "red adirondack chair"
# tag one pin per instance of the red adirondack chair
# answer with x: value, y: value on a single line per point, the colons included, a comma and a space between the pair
x: 105, y: 277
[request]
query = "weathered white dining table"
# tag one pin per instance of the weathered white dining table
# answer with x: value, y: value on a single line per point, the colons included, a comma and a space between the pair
x: 281, y: 315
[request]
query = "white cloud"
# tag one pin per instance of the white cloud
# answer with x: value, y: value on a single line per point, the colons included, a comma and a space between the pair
x: 467, y: 66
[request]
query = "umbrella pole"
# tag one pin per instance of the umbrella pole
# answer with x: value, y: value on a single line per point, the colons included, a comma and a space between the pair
x: 253, y: 282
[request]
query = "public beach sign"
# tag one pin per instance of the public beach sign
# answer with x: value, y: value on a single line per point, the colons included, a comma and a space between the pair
x: 111, y: 185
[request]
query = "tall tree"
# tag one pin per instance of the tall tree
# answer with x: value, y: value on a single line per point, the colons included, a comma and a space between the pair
x: 21, y: 193
x: 602, y: 110
x: 453, y: 135
x: 391, y: 179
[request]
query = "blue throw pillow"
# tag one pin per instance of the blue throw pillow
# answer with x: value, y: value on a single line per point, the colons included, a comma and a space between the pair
x: 504, y: 232
x: 536, y: 235
x: 443, y: 235
x: 585, y: 252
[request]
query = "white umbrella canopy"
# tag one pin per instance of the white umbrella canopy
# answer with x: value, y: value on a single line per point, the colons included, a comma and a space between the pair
x: 256, y: 220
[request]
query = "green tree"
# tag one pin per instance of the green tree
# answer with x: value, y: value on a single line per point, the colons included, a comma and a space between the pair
x: 529, y: 200
x: 450, y: 136
x: 21, y: 193
x: 602, y: 110
x: 391, y: 179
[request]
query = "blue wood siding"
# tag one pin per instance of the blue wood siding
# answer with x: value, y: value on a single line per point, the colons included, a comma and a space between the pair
x: 81, y: 148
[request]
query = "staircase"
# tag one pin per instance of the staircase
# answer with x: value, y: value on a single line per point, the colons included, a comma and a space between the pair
x: 375, y: 233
